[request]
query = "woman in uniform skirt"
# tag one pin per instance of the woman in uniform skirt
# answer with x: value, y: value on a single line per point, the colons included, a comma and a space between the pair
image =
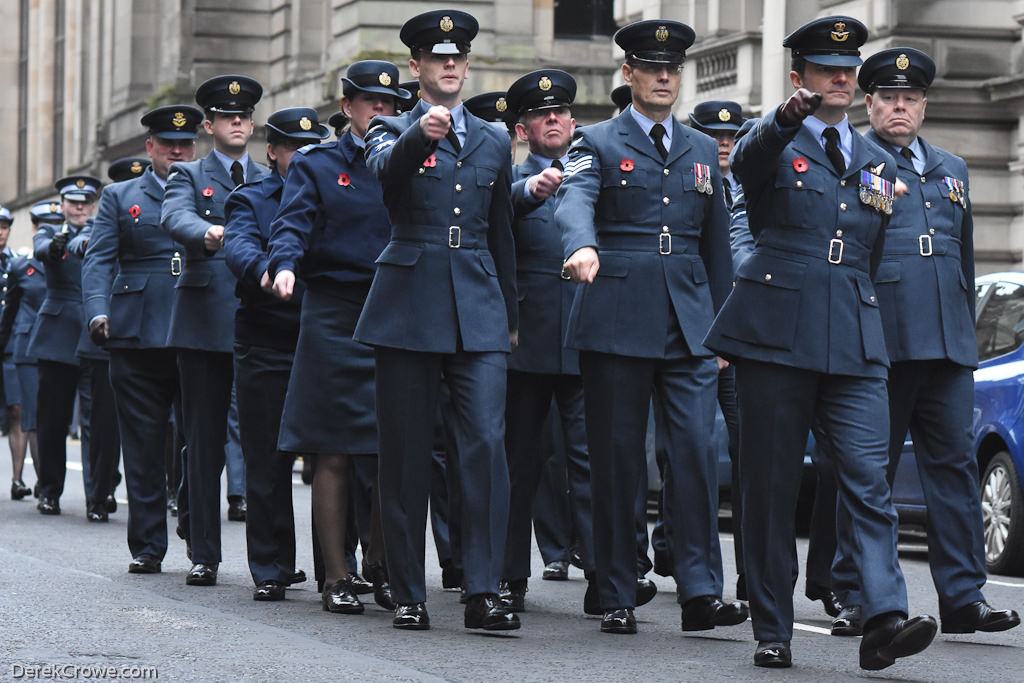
x: 330, y: 228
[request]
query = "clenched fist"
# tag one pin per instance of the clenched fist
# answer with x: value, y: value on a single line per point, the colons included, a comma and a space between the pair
x: 545, y: 183
x: 435, y: 123
x: 798, y: 107
x: 99, y: 331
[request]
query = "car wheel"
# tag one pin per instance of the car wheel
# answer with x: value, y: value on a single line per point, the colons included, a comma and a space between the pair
x: 1002, y: 511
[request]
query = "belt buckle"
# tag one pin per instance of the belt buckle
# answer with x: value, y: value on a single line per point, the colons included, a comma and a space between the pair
x: 176, y: 263
x: 664, y: 243
x: 834, y: 258
x: 454, y: 237
x: 924, y: 244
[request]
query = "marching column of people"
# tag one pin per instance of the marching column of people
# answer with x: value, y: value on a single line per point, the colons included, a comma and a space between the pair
x: 369, y: 299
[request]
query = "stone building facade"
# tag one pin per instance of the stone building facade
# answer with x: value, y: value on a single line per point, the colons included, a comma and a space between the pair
x: 80, y: 73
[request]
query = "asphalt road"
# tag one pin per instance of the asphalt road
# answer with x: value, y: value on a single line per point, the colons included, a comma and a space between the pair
x: 66, y: 601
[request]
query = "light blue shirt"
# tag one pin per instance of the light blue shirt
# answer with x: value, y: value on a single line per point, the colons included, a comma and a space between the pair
x: 357, y: 141
x: 226, y: 161
x: 817, y: 128
x: 543, y: 162
x: 646, y: 124
x: 918, y: 152
x: 161, y: 181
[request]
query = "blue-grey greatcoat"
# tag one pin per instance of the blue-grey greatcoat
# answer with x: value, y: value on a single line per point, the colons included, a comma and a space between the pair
x: 442, y: 303
x: 128, y: 275
x: 803, y: 327
x: 202, y: 331
x: 665, y: 268
x: 925, y: 286
x: 26, y: 289
x: 59, y: 326
x: 542, y: 373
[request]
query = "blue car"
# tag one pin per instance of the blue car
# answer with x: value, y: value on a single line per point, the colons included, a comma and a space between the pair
x: 998, y: 426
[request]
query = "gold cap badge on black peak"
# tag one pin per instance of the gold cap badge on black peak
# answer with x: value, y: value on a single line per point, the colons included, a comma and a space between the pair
x: 442, y: 32
x: 173, y: 122
x: 300, y: 123
x: 829, y: 41
x: 234, y: 88
x: 897, y: 67
x: 305, y: 123
x: 902, y: 63
x: 724, y: 115
x: 229, y: 94
x: 717, y: 115
x: 384, y: 78
x: 372, y: 75
x: 657, y: 41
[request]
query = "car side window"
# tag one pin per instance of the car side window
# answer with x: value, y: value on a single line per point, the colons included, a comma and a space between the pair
x: 1000, y: 327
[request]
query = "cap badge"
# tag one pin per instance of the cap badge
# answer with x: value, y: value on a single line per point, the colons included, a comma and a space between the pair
x: 501, y: 105
x: 839, y: 32
x: 661, y: 35
x: 54, y: 208
x: 136, y: 167
x: 902, y: 62
x: 384, y: 79
x: 724, y: 116
x: 544, y: 83
x: 305, y: 124
x: 234, y: 88
x: 79, y: 183
x: 179, y: 119
x: 447, y: 24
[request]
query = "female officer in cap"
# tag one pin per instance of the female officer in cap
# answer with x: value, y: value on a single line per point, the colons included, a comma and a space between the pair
x: 332, y: 219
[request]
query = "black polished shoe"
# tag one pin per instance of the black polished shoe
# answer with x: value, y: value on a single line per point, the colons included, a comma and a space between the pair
x: 618, y: 621
x: 979, y: 616
x: 645, y: 591
x: 236, y: 508
x: 360, y: 586
x: 486, y: 611
x: 96, y: 512
x: 341, y: 599
x: 708, y: 611
x: 411, y: 617
x: 111, y: 504
x: 829, y: 600
x: 848, y: 622
x: 298, y: 576
x: 663, y: 563
x: 889, y: 636
x: 378, y: 576
x: 451, y: 578
x: 773, y: 655
x: 513, y: 594
x: 575, y: 559
x: 202, y: 575
x: 556, y: 571
x: 48, y: 505
x: 144, y: 564
x: 18, y: 489
x: 268, y: 591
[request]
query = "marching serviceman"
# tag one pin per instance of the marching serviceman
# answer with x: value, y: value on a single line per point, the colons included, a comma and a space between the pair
x: 443, y: 302
x: 803, y: 328
x: 333, y: 222
x: 17, y: 439
x: 266, y: 330
x: 644, y: 223
x: 203, y: 311
x: 128, y: 279
x: 54, y: 339
x: 541, y: 368
x: 925, y: 286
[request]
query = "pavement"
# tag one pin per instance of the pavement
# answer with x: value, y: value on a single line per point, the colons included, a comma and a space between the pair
x: 70, y: 611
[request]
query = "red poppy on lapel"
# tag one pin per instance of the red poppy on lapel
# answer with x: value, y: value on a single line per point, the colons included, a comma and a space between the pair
x: 799, y: 164
x: 626, y: 165
x: 134, y: 211
x: 208, y: 192
x: 343, y: 179
x: 30, y: 270
x: 431, y: 161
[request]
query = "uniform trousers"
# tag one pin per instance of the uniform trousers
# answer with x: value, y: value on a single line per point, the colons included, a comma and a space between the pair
x: 408, y: 384
x: 934, y: 399
x: 28, y: 382
x: 261, y: 381
x: 617, y: 395
x: 528, y: 404
x: 234, y: 458
x: 778, y: 405
x: 100, y: 438
x: 145, y: 383
x: 58, y: 383
x: 206, y: 378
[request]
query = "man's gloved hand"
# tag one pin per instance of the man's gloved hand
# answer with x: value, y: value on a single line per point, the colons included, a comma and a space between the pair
x: 99, y: 331
x: 798, y: 107
x: 59, y: 245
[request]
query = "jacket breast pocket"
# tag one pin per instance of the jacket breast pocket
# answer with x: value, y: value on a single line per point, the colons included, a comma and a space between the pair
x: 799, y: 196
x: 623, y: 193
x: 127, y: 304
x: 694, y: 201
x: 426, y: 186
x: 770, y: 291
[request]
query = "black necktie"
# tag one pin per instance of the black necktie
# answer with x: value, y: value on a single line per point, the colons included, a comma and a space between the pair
x: 237, y: 176
x: 728, y: 194
x: 454, y: 139
x: 907, y: 154
x: 657, y: 133
x: 557, y: 163
x: 832, y: 151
